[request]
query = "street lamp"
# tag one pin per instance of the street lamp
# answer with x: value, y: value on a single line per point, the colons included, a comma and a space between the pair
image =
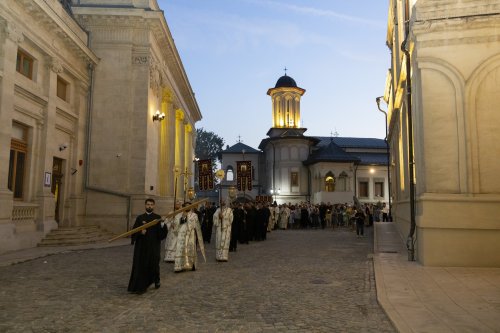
x: 388, y: 155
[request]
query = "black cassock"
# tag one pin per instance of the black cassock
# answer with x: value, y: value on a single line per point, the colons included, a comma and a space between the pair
x: 146, y: 263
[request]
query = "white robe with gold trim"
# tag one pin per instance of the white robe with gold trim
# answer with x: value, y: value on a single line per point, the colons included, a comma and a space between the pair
x: 189, y: 232
x: 171, y: 242
x: 222, y: 233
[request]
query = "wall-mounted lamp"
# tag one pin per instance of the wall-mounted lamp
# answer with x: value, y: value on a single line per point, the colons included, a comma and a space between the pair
x: 158, y: 116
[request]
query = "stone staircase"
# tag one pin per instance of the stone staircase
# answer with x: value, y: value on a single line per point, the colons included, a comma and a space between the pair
x: 66, y: 236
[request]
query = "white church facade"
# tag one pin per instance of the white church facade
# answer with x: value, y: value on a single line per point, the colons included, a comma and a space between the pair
x: 293, y: 167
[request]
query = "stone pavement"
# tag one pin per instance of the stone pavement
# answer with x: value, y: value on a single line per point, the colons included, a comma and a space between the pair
x: 433, y: 299
x: 296, y: 281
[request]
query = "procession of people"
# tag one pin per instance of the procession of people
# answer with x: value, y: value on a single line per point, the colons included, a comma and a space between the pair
x: 189, y: 227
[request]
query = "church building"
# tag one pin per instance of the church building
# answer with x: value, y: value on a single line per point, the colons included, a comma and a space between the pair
x: 293, y: 167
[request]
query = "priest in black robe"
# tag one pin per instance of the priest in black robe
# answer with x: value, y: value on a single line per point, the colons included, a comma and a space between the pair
x: 146, y: 262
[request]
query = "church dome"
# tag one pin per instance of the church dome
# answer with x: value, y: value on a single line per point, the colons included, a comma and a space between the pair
x: 286, y: 82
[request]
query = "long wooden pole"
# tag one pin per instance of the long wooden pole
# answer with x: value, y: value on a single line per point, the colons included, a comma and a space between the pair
x: 152, y: 223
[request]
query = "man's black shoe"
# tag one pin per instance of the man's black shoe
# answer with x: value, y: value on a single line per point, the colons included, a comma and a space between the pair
x: 157, y: 285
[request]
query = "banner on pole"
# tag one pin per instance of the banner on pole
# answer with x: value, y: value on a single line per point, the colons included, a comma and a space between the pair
x: 244, y: 175
x: 205, y: 175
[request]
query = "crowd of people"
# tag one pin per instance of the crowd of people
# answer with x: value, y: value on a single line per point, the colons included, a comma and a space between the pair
x: 237, y: 223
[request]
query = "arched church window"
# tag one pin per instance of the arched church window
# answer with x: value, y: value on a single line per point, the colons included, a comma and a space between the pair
x: 229, y: 174
x: 342, y: 182
x: 329, y: 182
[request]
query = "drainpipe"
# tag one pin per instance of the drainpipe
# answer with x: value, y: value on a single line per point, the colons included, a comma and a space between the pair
x: 410, y: 242
x: 388, y: 156
x: 91, y: 70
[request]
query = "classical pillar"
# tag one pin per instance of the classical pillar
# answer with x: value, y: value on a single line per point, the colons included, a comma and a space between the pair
x: 9, y: 40
x: 188, y: 152
x: 44, y: 196
x: 167, y: 141
x: 179, y: 150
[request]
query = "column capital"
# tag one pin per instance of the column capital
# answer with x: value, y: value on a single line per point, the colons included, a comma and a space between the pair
x: 167, y: 96
x: 55, y: 65
x: 179, y: 114
x: 13, y: 32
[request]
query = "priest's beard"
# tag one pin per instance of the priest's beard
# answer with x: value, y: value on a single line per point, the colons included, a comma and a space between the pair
x: 149, y: 210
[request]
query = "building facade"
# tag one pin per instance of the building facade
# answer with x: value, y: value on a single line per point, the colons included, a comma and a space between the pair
x: 80, y: 83
x: 444, y: 129
x: 296, y: 168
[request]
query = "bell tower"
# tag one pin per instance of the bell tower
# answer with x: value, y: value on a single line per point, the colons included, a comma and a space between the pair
x: 285, y: 98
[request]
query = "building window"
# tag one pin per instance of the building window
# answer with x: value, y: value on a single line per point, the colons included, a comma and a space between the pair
x: 341, y: 183
x: 62, y: 89
x: 329, y: 182
x: 379, y: 189
x: 363, y: 189
x: 294, y: 178
x: 24, y: 64
x: 17, y: 161
x: 229, y: 174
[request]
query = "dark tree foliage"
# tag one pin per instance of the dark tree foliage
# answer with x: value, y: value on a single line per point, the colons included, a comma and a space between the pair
x: 208, y: 145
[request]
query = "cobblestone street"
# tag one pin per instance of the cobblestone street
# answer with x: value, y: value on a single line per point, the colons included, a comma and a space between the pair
x: 296, y: 281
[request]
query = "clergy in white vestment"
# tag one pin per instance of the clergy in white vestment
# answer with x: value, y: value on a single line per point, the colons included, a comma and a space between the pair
x: 223, y: 220
x: 273, y: 218
x: 188, y: 236
x: 284, y: 216
x: 173, y: 230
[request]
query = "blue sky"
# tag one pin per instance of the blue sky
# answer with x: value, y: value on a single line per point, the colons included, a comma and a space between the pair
x: 234, y: 50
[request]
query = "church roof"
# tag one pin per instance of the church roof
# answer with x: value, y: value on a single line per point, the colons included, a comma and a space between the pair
x: 371, y: 158
x: 348, y: 142
x: 330, y: 153
x: 238, y: 148
x: 285, y: 82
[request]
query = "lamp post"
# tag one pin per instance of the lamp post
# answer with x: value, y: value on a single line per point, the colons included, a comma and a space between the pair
x: 196, y: 175
x: 176, y: 174
x: 388, y: 156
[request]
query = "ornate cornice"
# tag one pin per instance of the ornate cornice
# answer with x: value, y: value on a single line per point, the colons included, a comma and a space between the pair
x: 52, y: 17
x: 141, y: 60
x: 430, y: 33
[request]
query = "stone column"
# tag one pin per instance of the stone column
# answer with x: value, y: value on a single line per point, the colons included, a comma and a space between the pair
x: 10, y: 38
x: 188, y: 152
x: 179, y: 150
x: 166, y: 144
x: 44, y: 197
x: 171, y: 125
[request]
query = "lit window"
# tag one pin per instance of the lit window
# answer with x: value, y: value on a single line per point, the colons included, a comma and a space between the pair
x: 229, y: 174
x: 24, y: 64
x: 329, y: 182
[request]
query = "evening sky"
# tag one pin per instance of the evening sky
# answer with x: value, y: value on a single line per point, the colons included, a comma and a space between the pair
x: 233, y: 51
